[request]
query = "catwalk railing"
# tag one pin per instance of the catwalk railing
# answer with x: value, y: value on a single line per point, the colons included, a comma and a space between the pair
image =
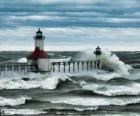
x: 23, y: 68
x: 72, y: 66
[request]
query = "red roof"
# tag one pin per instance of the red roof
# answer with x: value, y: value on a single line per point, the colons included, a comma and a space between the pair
x: 38, y: 54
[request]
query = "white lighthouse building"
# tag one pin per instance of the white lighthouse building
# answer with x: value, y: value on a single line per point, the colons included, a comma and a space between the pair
x: 39, y: 57
x: 39, y: 40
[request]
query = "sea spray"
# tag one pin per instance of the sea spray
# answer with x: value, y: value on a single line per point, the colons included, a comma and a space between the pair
x: 108, y: 61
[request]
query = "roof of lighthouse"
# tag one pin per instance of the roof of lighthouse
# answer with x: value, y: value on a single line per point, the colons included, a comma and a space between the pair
x: 37, y: 54
x: 39, y: 31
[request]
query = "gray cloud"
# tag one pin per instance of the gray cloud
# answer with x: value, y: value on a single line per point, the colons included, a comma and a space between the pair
x: 77, y: 13
x: 73, y: 21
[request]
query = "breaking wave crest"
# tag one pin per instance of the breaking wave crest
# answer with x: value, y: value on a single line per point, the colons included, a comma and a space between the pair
x: 36, y: 81
x: 21, y: 112
x: 114, y: 89
x: 108, y: 61
x: 13, y: 101
x: 96, y: 101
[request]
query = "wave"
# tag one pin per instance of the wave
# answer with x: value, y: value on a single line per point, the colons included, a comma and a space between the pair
x: 95, y: 101
x: 13, y: 101
x: 21, y: 112
x: 119, y: 81
x: 119, y: 114
x: 35, y: 81
x: 108, y: 61
x: 114, y: 89
x: 97, y: 74
x: 72, y: 110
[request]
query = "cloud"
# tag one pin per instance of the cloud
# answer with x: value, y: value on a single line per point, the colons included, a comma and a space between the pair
x: 82, y: 37
x: 72, y: 22
x: 70, y: 13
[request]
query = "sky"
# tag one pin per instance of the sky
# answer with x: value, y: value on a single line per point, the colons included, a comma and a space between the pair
x: 70, y: 24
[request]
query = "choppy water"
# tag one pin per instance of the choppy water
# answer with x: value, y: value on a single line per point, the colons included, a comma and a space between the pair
x: 97, y: 93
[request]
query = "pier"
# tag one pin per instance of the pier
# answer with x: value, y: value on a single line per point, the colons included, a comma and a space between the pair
x: 59, y: 67
x: 38, y: 61
x: 22, y: 68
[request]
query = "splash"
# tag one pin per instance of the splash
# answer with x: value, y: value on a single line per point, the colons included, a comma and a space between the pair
x: 108, y: 61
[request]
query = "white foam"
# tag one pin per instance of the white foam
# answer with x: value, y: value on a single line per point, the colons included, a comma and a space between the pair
x: 86, y: 108
x: 98, y: 74
x: 61, y: 60
x: 21, y: 112
x: 22, y: 60
x: 52, y: 82
x: 112, y: 90
x: 13, y: 101
x: 118, y: 114
x: 95, y: 101
x: 108, y: 60
x: 36, y: 81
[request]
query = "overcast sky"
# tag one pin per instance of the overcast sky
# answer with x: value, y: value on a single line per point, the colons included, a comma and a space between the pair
x: 70, y: 24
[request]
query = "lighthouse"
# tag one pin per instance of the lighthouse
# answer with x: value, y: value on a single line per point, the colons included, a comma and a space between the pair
x: 39, y: 57
x: 39, y: 40
x: 98, y: 54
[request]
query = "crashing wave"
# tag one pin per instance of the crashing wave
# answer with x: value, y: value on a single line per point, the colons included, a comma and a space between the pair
x: 95, y: 101
x: 21, y: 112
x: 97, y: 74
x: 114, y: 90
x: 13, y: 101
x: 108, y: 61
x: 38, y: 81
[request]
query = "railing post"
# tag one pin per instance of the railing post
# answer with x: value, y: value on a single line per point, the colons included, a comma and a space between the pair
x: 91, y: 65
x: 69, y: 66
x: 73, y: 66
x: 82, y: 65
x: 87, y: 65
x: 78, y: 65
x: 53, y: 65
x: 58, y: 66
x: 64, y: 64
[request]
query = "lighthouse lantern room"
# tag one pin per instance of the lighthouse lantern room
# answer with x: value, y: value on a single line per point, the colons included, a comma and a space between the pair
x: 39, y: 57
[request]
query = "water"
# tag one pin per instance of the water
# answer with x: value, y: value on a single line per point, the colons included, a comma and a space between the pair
x: 92, y: 93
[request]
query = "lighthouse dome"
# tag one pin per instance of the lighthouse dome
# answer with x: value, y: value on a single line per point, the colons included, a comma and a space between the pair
x: 98, y: 51
x: 39, y: 31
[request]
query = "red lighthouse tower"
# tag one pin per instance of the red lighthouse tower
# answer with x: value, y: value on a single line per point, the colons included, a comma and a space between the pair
x: 38, y: 54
